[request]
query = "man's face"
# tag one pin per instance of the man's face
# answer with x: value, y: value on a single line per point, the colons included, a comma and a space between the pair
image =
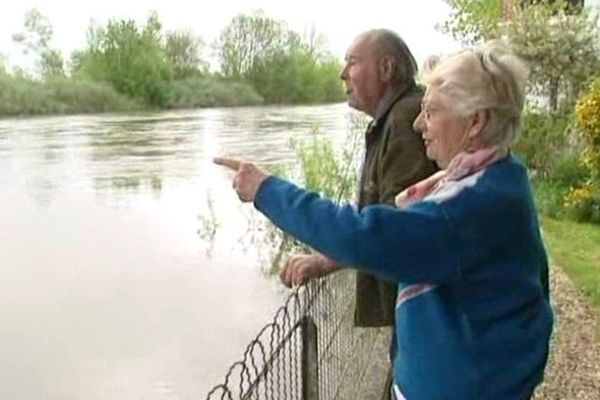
x: 361, y: 76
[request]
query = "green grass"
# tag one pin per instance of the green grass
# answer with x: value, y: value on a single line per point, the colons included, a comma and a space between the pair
x: 576, y: 248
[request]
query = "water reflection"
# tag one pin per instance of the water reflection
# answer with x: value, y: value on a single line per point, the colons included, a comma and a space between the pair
x: 129, y: 268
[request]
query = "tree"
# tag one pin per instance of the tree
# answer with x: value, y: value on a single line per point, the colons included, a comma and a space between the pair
x: 52, y: 64
x: 131, y: 58
x: 280, y: 64
x: 35, y: 38
x: 37, y: 32
x: 249, y: 40
x: 558, y: 39
x: 315, y: 43
x: 3, y: 69
x: 561, y: 48
x: 184, y: 53
x: 473, y: 21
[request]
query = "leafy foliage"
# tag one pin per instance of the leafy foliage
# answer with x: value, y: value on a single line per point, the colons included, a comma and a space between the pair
x: 283, y: 67
x: 560, y: 42
x: 324, y: 168
x: 184, y: 53
x: 584, y: 200
x: 128, y: 56
x: 20, y: 96
x: 37, y: 32
x: 35, y: 39
x: 588, y: 121
x: 247, y: 42
x: 561, y: 48
x: 209, y: 91
x: 472, y: 21
x: 52, y: 64
x: 262, y: 59
x: 3, y: 70
x: 545, y: 142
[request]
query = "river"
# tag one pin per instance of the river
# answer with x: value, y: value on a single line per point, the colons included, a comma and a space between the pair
x: 128, y: 269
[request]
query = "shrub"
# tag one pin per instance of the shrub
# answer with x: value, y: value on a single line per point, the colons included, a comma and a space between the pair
x: 22, y: 96
x: 209, y: 91
x: 584, y: 200
x: 549, y: 148
x: 587, y: 114
x: 583, y: 203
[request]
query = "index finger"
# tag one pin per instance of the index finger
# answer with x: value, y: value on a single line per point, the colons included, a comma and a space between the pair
x: 230, y: 163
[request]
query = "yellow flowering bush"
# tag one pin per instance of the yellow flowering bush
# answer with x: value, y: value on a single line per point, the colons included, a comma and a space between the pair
x: 587, y: 115
x: 578, y: 195
x: 585, y: 200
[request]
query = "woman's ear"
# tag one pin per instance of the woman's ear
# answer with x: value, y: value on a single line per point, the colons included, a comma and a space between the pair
x: 479, y: 121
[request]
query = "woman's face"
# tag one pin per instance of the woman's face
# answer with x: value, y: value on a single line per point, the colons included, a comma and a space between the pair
x: 444, y: 133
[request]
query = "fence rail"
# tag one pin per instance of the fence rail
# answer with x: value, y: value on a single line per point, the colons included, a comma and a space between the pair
x: 309, y: 351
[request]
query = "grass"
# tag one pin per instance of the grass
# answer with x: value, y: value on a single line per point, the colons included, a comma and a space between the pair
x: 576, y: 248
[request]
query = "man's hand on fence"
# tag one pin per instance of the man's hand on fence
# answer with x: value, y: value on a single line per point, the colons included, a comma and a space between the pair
x: 247, y: 179
x: 300, y: 268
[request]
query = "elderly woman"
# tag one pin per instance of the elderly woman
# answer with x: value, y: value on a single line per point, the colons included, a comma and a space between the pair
x: 473, y: 319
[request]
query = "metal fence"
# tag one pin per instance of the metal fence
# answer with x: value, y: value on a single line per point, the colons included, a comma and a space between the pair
x: 309, y: 351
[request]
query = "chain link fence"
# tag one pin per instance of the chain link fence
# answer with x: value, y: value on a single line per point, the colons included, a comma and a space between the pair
x: 309, y: 351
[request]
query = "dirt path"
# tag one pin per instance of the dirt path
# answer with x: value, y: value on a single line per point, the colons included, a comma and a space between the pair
x: 573, y: 372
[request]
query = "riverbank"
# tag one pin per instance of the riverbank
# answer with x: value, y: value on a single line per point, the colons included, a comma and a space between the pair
x: 20, y: 96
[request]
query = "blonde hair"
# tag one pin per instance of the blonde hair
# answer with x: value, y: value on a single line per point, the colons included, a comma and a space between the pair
x: 489, y: 77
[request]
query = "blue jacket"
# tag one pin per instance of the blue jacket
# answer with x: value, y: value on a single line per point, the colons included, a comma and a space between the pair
x: 473, y: 318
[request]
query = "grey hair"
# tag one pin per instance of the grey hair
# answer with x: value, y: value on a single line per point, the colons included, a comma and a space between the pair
x: 389, y: 43
x: 489, y: 77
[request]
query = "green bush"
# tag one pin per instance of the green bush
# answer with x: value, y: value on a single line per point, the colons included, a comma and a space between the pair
x: 209, y: 91
x: 583, y: 200
x: 588, y: 121
x: 549, y: 197
x: 21, y: 96
x: 548, y: 147
x: 131, y: 57
x: 87, y: 97
x: 583, y: 204
x: 551, y: 151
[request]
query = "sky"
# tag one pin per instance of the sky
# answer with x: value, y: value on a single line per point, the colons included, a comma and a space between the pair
x: 339, y: 22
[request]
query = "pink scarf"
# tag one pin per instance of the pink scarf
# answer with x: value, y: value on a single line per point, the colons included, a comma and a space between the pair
x: 463, y: 164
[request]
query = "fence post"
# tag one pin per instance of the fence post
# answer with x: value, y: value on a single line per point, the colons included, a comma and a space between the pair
x: 310, y: 364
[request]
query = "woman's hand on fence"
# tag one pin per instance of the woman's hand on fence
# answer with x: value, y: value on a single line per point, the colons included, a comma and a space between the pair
x: 247, y: 179
x: 300, y: 268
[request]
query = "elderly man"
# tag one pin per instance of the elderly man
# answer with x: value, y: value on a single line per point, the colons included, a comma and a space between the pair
x: 379, y: 76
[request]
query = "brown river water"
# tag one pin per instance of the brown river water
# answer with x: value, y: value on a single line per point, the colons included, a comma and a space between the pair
x: 127, y: 270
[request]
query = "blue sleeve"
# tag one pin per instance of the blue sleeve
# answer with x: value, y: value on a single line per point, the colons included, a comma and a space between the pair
x: 413, y: 245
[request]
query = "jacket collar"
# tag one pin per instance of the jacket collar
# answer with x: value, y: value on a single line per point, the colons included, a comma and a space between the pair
x: 388, y: 100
